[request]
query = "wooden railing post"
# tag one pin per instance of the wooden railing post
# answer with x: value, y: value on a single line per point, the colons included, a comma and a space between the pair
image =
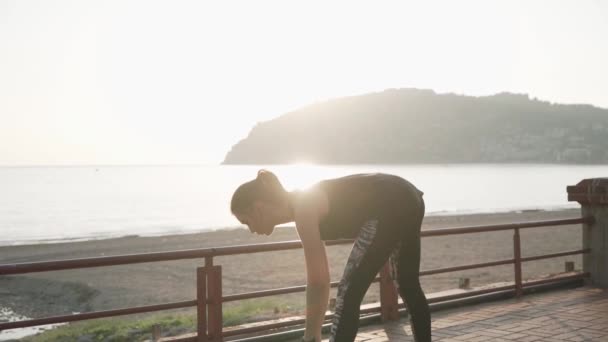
x: 592, y: 194
x: 156, y: 333
x: 201, y: 307
x: 214, y: 304
x: 517, y: 258
x: 389, y: 297
x: 203, y: 294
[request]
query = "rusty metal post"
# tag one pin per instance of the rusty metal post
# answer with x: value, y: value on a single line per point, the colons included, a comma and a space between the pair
x: 569, y: 266
x: 517, y: 258
x: 389, y: 297
x: 464, y: 283
x: 592, y: 194
x: 201, y: 307
x: 214, y: 304
x: 156, y: 333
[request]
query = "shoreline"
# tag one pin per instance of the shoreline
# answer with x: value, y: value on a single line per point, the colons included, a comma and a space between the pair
x: 443, y: 213
x: 59, y: 292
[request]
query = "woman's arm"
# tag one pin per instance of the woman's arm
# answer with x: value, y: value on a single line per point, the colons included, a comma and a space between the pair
x: 317, y: 268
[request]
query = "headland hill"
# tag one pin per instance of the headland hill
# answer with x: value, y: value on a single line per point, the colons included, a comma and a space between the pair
x: 414, y: 126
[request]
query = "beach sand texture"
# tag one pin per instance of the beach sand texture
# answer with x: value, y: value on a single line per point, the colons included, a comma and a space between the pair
x: 61, y: 292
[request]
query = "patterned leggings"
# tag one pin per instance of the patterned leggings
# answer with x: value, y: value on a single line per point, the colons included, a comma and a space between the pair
x: 387, y: 238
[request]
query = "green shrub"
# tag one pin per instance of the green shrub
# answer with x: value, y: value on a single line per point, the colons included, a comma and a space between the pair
x: 139, y: 329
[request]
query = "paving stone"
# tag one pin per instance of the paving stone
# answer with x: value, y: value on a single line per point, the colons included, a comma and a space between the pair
x: 566, y: 315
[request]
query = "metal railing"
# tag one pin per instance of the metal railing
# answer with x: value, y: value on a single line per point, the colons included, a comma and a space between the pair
x: 209, y: 280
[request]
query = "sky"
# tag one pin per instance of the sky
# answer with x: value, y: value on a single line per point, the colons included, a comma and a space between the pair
x: 180, y: 82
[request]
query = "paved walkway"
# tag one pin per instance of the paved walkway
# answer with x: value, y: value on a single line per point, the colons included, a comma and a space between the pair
x: 566, y: 315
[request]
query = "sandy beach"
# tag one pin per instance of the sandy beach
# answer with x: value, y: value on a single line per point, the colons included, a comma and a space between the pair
x: 50, y: 293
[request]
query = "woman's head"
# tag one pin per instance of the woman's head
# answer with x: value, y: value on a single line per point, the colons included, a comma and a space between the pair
x: 260, y: 203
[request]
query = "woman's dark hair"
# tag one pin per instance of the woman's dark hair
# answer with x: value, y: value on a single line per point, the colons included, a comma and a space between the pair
x: 266, y: 187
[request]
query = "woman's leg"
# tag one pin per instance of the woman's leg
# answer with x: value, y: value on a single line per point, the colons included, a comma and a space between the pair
x: 406, y: 262
x: 370, y: 251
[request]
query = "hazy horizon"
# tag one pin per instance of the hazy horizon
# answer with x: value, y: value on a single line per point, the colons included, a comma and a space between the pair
x: 63, y: 204
x: 163, y: 83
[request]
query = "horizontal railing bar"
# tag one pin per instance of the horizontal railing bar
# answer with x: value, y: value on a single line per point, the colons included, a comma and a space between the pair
x: 149, y: 308
x: 507, y: 287
x: 267, y: 293
x: 328, y: 318
x: 267, y: 247
x: 467, y: 267
x: 371, y: 309
x: 259, y: 294
x: 191, y: 303
x: 466, y: 294
x: 551, y: 280
x: 96, y: 314
x: 301, y: 288
x: 502, y: 262
x: 556, y: 255
x: 269, y: 326
x: 274, y: 292
x: 287, y: 323
x: 184, y: 339
x: 471, y: 293
x: 506, y: 226
x: 56, y: 265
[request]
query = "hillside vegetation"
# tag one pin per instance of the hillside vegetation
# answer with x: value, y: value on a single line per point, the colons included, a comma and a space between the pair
x: 419, y: 126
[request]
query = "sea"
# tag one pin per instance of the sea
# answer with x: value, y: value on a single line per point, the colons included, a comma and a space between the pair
x: 7, y: 315
x: 75, y: 203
